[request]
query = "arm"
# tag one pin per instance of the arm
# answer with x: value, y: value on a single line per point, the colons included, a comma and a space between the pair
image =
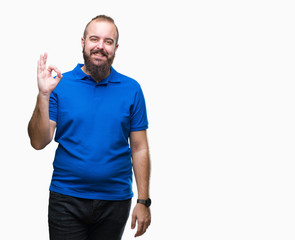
x: 40, y: 128
x: 141, y: 166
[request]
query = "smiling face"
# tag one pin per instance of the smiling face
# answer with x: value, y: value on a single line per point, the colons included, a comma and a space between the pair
x: 99, y: 46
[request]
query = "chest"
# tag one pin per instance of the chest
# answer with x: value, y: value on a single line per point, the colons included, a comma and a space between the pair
x: 87, y: 105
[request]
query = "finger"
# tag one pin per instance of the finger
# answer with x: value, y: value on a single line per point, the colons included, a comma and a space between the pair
x: 42, y: 64
x: 38, y: 66
x: 59, y: 76
x: 58, y: 72
x: 53, y: 68
x: 43, y: 61
x: 45, y: 58
x: 133, y: 222
x: 140, y: 230
x: 143, y: 226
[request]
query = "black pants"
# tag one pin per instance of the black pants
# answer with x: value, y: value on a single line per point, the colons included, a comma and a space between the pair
x: 73, y: 218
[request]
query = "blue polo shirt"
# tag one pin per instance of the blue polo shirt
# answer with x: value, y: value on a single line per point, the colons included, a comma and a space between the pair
x: 94, y: 121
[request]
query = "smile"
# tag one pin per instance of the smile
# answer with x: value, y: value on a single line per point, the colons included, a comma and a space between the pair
x: 99, y: 54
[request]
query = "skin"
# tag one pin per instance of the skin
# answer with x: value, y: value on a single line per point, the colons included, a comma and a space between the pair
x: 141, y: 166
x: 40, y: 128
x: 100, y: 35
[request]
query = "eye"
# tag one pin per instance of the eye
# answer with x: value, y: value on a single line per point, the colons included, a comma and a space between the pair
x: 109, y: 41
x: 93, y: 39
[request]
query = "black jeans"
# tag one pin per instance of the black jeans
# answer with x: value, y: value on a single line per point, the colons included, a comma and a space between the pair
x: 72, y: 218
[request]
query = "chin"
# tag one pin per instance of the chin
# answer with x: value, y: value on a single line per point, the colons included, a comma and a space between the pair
x: 98, y: 62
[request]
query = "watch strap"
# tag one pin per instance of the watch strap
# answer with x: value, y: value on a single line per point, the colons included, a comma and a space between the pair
x: 146, y: 202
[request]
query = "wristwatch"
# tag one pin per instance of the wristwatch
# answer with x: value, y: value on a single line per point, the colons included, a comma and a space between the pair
x: 146, y: 202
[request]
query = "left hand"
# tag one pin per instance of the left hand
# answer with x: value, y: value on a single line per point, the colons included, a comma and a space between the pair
x: 142, y: 215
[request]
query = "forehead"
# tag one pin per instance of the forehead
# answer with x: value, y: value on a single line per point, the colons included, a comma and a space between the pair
x: 101, y: 29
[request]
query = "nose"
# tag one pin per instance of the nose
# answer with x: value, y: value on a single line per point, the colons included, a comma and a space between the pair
x: 100, y: 44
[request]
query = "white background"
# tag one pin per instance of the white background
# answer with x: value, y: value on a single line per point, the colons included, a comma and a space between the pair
x: 218, y: 78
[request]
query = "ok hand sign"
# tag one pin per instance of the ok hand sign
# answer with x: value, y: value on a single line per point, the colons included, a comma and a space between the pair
x: 46, y: 83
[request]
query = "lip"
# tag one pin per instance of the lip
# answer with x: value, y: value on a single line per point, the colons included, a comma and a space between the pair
x: 98, y: 55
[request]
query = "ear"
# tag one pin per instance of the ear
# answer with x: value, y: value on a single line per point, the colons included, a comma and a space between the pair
x: 116, y: 47
x: 82, y: 42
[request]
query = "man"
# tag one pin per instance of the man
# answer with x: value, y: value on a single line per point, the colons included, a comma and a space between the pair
x: 96, y: 112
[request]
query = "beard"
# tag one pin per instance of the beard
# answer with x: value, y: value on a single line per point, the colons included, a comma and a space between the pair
x: 100, y: 70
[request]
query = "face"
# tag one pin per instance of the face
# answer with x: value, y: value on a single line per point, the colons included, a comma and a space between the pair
x: 99, y: 47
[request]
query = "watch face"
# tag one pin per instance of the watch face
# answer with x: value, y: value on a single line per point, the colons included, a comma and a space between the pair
x: 148, y: 202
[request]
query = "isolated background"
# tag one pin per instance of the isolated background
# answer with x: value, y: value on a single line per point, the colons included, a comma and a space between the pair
x: 218, y: 78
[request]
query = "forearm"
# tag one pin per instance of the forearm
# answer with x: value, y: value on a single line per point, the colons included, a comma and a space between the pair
x: 39, y: 125
x: 142, y: 168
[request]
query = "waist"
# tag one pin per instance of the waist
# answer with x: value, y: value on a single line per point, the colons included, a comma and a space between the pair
x: 102, y: 177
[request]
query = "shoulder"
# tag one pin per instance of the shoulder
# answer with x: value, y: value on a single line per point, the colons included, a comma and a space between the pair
x: 69, y: 75
x: 74, y: 74
x: 127, y: 81
x: 67, y: 79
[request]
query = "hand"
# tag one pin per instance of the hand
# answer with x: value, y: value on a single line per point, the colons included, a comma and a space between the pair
x: 142, y: 215
x: 46, y: 83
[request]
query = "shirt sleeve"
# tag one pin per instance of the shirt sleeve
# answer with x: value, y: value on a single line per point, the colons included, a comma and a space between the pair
x: 53, y: 107
x: 139, y: 120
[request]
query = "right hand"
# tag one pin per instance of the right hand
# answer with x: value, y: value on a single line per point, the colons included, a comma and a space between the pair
x: 46, y: 83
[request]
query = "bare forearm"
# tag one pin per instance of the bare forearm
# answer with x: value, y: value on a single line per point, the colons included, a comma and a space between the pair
x: 141, y: 167
x: 39, y: 125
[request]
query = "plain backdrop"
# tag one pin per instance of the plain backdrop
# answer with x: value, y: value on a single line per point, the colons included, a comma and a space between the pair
x: 218, y: 78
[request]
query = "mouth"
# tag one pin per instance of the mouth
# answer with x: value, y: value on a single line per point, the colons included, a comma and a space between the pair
x: 99, y: 54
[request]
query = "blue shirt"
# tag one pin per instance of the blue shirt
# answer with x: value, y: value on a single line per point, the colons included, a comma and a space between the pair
x: 94, y: 121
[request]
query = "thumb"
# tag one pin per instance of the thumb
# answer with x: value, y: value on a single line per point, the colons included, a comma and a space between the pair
x: 58, y: 72
x: 59, y: 76
x: 133, y: 222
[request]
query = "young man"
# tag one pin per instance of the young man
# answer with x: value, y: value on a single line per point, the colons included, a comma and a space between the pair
x: 95, y: 111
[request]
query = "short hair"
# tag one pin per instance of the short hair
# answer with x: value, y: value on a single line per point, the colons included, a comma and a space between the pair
x: 102, y: 18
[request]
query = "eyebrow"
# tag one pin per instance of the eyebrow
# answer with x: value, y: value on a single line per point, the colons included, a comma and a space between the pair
x: 94, y: 36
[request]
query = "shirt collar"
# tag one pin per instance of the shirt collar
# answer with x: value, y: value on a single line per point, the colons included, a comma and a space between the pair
x: 111, y: 78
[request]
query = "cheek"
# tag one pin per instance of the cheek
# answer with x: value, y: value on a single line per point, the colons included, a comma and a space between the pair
x: 89, y: 47
x: 110, y: 50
